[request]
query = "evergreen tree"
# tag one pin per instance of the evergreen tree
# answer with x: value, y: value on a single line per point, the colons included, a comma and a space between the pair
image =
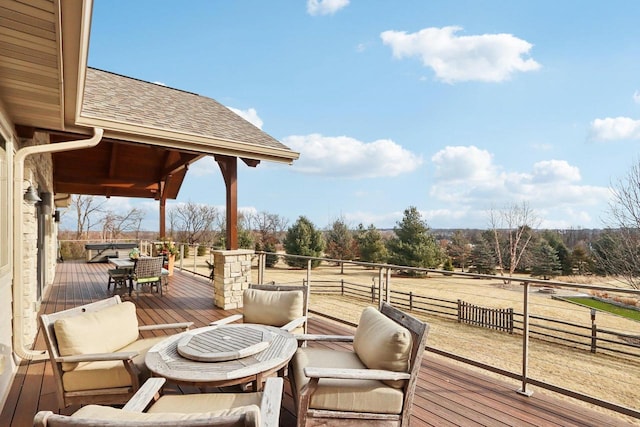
x: 581, y: 260
x: 371, y: 246
x: 447, y: 265
x: 302, y: 238
x: 245, y: 239
x: 271, y: 259
x: 459, y: 249
x: 483, y: 257
x: 546, y: 262
x: 555, y: 240
x: 340, y: 242
x: 414, y: 246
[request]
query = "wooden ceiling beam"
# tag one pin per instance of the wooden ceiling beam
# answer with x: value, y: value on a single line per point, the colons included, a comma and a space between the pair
x: 252, y: 163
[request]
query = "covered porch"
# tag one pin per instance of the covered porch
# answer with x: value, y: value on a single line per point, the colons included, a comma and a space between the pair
x: 447, y: 394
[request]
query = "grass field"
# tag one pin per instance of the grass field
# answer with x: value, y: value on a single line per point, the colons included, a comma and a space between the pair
x: 605, y: 306
x: 611, y: 378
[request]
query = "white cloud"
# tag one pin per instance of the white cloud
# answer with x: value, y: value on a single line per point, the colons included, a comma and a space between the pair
x: 636, y: 97
x: 250, y: 115
x: 159, y: 83
x: 555, y: 171
x: 347, y: 157
x: 325, y: 7
x: 613, y: 129
x: 463, y: 164
x: 453, y: 58
x: 467, y: 180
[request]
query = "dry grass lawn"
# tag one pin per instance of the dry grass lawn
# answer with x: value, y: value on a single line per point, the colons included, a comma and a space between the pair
x: 611, y: 378
x: 608, y: 377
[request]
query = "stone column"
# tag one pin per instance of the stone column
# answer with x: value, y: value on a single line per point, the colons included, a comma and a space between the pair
x: 232, y: 276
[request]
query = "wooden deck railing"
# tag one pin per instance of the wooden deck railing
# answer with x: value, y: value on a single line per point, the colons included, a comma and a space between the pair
x: 540, y: 328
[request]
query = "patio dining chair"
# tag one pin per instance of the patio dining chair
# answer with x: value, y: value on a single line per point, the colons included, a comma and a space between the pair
x: 96, y: 351
x: 119, y: 278
x: 206, y: 409
x: 148, y: 272
x: 371, y: 384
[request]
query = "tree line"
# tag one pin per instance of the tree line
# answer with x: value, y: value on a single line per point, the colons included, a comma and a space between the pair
x: 512, y: 243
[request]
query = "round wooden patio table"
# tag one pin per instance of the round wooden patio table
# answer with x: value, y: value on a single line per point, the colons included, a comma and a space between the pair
x: 224, y: 355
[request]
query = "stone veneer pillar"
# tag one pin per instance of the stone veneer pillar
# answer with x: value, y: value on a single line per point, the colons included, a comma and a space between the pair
x: 232, y: 275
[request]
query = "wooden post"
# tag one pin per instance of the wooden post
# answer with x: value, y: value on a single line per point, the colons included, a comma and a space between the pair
x: 379, y: 288
x: 388, y: 287
x: 410, y: 300
x: 525, y: 341
x: 261, y: 265
x: 229, y: 168
x: 342, y: 287
x: 163, y: 205
x: 594, y: 331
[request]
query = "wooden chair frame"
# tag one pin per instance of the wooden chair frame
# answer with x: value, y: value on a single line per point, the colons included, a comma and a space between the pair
x: 269, y: 411
x: 315, y: 417
x: 107, y: 395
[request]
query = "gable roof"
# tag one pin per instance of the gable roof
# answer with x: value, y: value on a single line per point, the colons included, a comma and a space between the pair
x: 119, y: 104
x: 151, y: 132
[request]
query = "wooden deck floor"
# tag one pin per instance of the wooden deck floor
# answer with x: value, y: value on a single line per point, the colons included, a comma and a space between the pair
x: 447, y: 395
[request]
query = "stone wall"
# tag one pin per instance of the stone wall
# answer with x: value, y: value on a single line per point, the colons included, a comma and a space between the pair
x: 232, y: 276
x: 39, y: 170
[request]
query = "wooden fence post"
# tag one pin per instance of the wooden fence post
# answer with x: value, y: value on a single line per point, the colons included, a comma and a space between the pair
x: 459, y: 311
x: 410, y: 300
x: 342, y: 287
x: 594, y: 331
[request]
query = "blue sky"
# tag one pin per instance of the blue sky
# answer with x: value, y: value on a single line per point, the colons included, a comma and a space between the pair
x: 454, y: 107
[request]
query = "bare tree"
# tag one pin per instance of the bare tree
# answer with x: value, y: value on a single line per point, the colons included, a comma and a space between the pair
x: 196, y: 220
x: 173, y: 221
x: 268, y: 226
x: 114, y: 225
x: 617, y: 251
x: 512, y: 229
x: 87, y: 210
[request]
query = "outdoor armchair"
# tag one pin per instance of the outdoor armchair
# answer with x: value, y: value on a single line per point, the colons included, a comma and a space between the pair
x: 96, y: 351
x: 206, y: 409
x: 283, y: 306
x: 371, y: 384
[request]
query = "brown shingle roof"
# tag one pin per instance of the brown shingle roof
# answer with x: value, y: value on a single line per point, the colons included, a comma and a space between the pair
x: 110, y: 96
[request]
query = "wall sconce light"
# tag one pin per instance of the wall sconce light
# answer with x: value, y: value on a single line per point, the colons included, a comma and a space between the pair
x: 31, y: 195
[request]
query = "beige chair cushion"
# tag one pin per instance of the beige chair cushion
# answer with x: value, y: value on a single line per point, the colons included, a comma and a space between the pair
x: 380, y: 343
x: 275, y: 308
x: 192, y: 403
x: 97, y: 412
x: 103, y: 331
x: 344, y: 395
x: 97, y: 375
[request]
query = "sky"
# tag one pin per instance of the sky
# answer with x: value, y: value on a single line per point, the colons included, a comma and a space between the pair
x: 454, y: 107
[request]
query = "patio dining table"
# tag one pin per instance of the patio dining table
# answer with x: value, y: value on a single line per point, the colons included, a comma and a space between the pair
x: 222, y: 355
